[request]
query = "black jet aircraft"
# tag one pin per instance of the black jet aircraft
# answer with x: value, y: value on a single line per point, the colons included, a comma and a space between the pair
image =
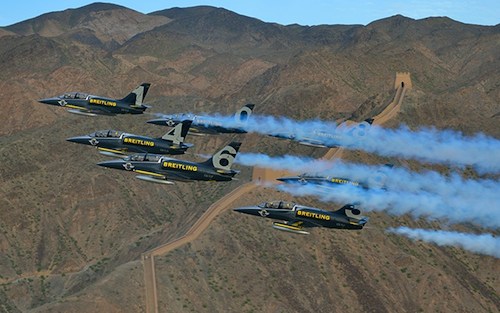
x: 320, y: 180
x: 206, y: 125
x: 161, y: 169
x: 294, y: 217
x: 343, y: 135
x: 376, y: 180
x: 85, y: 104
x: 117, y: 144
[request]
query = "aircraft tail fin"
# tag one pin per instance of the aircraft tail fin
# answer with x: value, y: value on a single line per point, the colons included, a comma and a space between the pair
x: 351, y: 212
x: 361, y: 129
x: 136, y: 97
x: 178, y: 133
x: 244, y: 113
x: 379, y: 178
x: 224, y: 158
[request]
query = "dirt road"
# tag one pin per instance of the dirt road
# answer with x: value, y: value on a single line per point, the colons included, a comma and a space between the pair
x: 148, y: 262
x: 194, y: 232
x: 392, y: 109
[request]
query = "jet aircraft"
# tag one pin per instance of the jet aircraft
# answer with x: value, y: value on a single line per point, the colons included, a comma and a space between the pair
x: 206, y: 125
x: 295, y: 217
x: 117, y: 144
x: 320, y: 180
x: 343, y: 135
x: 161, y: 169
x: 89, y: 105
x: 377, y: 180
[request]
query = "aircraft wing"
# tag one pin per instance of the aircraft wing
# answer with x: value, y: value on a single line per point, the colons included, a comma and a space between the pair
x: 180, y: 177
x: 199, y: 130
x: 158, y: 178
x: 296, y: 227
x: 111, y: 152
x: 301, y: 224
x: 308, y: 224
x: 312, y: 143
x: 83, y: 111
x: 153, y: 179
x: 162, y: 178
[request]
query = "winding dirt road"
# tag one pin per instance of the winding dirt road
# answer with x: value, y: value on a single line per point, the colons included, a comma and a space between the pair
x: 194, y: 232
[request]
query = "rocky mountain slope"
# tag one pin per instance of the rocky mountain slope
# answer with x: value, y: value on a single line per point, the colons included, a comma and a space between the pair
x: 71, y: 233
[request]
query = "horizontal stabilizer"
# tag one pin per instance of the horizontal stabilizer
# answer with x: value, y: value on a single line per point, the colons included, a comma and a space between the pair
x: 370, y: 120
x: 142, y: 106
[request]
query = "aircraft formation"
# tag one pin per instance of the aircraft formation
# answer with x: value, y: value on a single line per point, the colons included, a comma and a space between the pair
x: 148, y: 157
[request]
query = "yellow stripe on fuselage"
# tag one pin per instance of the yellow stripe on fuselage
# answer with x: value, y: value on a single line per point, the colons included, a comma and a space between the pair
x: 149, y: 173
x: 76, y: 107
x: 111, y: 150
x: 288, y: 226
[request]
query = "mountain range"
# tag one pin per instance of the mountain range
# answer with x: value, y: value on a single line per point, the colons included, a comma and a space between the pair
x: 72, y: 233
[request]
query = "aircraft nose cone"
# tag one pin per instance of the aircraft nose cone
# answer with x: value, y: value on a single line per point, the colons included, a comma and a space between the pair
x: 116, y: 164
x: 51, y: 101
x: 287, y: 179
x: 292, y: 180
x: 250, y: 210
x: 157, y: 121
x: 86, y: 140
x: 166, y: 120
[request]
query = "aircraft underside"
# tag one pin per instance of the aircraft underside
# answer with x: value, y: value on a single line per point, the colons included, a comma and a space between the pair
x: 290, y: 228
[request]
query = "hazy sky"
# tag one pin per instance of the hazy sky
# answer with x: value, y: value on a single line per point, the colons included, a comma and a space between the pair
x: 304, y: 12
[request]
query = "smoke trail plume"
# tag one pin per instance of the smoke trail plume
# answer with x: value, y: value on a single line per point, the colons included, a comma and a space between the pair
x: 435, y: 146
x: 426, y: 144
x: 483, y: 244
x: 454, y: 187
x: 286, y: 162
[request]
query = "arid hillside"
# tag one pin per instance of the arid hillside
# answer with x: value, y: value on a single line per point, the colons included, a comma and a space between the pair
x: 72, y: 233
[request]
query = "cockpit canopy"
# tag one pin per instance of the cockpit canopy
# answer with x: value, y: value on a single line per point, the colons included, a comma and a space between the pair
x: 278, y: 204
x: 107, y: 133
x: 74, y: 95
x: 144, y: 157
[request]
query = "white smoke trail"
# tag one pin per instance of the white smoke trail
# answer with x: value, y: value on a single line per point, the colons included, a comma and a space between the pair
x: 426, y: 144
x: 484, y: 244
x: 477, y: 194
x: 435, y: 146
x: 452, y: 186
x: 286, y: 162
